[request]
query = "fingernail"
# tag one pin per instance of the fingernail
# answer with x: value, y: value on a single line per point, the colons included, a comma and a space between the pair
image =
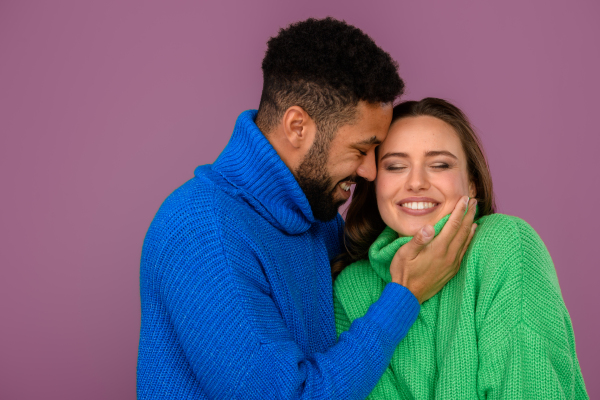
x: 467, y: 201
x: 425, y: 233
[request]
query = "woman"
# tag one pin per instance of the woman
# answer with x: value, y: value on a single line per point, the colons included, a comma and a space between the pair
x: 499, y: 329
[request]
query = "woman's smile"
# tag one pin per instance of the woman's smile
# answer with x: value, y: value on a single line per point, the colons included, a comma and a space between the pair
x: 418, y: 206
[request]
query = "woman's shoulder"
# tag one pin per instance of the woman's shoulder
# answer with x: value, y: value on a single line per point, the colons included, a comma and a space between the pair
x: 499, y: 229
x: 507, y: 245
x: 499, y: 221
x: 515, y: 272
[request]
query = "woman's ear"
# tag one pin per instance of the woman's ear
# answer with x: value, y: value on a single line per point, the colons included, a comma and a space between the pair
x: 472, y: 190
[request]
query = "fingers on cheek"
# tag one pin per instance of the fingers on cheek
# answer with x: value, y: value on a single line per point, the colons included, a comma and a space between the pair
x: 468, y: 230
x: 456, y: 224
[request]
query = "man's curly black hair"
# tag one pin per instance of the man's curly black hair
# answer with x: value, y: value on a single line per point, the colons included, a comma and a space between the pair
x: 326, y: 67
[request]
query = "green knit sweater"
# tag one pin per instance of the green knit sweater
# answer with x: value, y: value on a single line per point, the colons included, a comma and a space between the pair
x: 498, y: 330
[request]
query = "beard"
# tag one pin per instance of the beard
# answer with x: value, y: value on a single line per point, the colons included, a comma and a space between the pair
x: 316, y: 183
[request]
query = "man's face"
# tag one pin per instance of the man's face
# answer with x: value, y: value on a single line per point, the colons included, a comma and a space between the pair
x: 330, y: 168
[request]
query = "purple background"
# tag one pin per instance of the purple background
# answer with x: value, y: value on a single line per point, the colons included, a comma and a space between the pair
x: 108, y: 106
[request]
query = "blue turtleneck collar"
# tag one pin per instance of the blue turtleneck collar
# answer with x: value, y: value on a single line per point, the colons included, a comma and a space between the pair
x: 251, y: 164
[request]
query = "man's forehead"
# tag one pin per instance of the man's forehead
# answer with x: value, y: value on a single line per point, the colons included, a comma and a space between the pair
x: 369, y: 128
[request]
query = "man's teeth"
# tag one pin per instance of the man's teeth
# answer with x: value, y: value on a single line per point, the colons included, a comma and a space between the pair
x: 345, y: 186
x: 420, y: 205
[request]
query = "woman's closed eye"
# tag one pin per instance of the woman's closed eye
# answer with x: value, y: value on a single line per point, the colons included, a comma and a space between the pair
x: 394, y: 167
x: 440, y: 166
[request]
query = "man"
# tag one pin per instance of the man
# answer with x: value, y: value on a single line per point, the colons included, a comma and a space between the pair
x: 235, y: 273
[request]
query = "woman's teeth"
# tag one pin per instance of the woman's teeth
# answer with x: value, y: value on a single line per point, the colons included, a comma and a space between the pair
x: 420, y: 205
x: 345, y: 186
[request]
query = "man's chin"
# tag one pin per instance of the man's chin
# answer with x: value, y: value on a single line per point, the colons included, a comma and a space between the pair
x: 324, y: 200
x: 325, y: 214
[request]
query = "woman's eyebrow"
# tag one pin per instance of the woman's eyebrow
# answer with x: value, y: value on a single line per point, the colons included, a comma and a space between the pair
x: 386, y: 155
x: 434, y: 153
x: 431, y: 153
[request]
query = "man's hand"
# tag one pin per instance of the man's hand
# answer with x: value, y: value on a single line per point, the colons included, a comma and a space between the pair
x: 424, y: 265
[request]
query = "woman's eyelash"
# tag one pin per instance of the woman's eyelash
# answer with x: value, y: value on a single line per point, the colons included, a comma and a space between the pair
x: 362, y: 153
x: 441, y: 166
x: 399, y: 168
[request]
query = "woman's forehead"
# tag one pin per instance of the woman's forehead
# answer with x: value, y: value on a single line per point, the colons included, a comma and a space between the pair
x: 420, y: 134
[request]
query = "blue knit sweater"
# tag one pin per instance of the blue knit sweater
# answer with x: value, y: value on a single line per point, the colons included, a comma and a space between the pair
x: 236, y: 290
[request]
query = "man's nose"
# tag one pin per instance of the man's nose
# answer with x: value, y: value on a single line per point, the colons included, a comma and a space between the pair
x: 367, y: 169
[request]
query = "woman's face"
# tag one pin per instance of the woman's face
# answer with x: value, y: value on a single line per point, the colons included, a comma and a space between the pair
x: 421, y: 174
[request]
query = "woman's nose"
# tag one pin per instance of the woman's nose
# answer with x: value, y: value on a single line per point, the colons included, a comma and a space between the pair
x: 417, y: 180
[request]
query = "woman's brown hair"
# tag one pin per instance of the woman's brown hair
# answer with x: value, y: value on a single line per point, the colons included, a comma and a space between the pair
x: 363, y: 222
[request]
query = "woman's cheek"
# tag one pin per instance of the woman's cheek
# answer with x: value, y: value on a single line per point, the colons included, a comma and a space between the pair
x: 382, y: 190
x: 454, y: 189
x: 385, y: 195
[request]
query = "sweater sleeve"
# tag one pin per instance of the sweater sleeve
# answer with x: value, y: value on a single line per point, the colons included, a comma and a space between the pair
x: 386, y: 387
x: 525, y: 337
x: 237, y: 342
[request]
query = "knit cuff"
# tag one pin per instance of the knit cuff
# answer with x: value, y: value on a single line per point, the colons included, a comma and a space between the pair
x: 395, y: 311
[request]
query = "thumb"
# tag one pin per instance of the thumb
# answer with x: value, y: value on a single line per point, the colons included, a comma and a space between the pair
x: 418, y: 242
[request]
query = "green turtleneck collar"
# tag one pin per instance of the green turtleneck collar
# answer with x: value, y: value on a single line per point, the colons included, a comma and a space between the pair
x: 387, y: 244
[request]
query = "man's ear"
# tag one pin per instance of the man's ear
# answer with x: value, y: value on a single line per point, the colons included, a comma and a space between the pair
x: 299, y: 128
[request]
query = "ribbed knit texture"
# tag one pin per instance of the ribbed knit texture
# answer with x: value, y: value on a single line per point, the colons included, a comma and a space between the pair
x: 498, y: 330
x: 236, y: 293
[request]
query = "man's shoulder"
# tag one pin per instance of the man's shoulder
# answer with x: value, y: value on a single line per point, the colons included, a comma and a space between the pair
x: 201, y: 218
x: 199, y: 199
x: 194, y: 209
